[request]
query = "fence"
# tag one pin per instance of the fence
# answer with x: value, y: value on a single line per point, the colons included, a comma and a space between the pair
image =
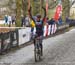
x: 8, y: 40
x: 18, y: 37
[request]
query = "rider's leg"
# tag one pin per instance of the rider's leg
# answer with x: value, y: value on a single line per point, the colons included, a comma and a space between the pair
x: 41, y: 46
x: 34, y: 42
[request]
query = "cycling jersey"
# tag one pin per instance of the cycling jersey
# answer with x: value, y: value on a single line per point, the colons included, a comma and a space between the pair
x: 39, y: 28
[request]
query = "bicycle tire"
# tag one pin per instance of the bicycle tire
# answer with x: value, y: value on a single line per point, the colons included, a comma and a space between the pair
x: 37, y: 51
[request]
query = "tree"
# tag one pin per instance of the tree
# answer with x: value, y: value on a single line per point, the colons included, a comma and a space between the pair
x: 12, y: 5
x: 52, y: 4
x: 66, y: 9
x: 37, y: 6
x: 25, y: 7
x: 18, y: 12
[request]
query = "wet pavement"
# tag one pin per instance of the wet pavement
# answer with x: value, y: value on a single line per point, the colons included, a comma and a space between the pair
x: 58, y: 50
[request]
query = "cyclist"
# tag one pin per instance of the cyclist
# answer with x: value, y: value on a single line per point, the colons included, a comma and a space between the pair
x: 39, y: 23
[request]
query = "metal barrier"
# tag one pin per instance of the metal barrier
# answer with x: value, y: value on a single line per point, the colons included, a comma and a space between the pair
x: 14, y: 38
x: 8, y: 40
x: 17, y: 37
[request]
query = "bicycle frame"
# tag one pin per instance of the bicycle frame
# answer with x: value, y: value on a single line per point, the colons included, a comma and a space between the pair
x: 37, y: 50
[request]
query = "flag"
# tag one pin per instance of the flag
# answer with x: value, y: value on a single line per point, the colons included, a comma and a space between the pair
x: 58, y: 12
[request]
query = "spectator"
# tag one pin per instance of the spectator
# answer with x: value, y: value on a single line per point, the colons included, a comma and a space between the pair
x: 47, y: 20
x: 68, y: 20
x: 9, y: 20
x: 13, y: 20
x: 51, y: 22
x: 60, y: 21
x: 27, y: 21
x: 22, y: 21
x: 6, y: 19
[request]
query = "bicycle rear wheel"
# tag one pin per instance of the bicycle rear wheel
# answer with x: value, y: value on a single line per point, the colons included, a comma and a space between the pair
x: 37, y: 51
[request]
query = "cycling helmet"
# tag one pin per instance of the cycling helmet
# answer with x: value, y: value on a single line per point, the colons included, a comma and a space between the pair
x: 38, y: 16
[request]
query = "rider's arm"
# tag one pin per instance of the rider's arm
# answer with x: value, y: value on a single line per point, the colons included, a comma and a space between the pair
x: 44, y: 13
x: 30, y: 14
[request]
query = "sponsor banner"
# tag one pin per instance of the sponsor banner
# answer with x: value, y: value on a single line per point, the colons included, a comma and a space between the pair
x: 58, y: 12
x: 24, y: 35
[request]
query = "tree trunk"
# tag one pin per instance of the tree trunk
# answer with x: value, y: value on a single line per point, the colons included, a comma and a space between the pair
x: 25, y: 7
x: 18, y: 12
x: 66, y: 9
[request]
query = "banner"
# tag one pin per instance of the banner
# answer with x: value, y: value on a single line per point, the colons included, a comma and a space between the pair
x: 24, y: 35
x: 58, y: 12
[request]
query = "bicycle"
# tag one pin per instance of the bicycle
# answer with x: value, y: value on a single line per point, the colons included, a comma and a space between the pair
x: 37, y: 49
